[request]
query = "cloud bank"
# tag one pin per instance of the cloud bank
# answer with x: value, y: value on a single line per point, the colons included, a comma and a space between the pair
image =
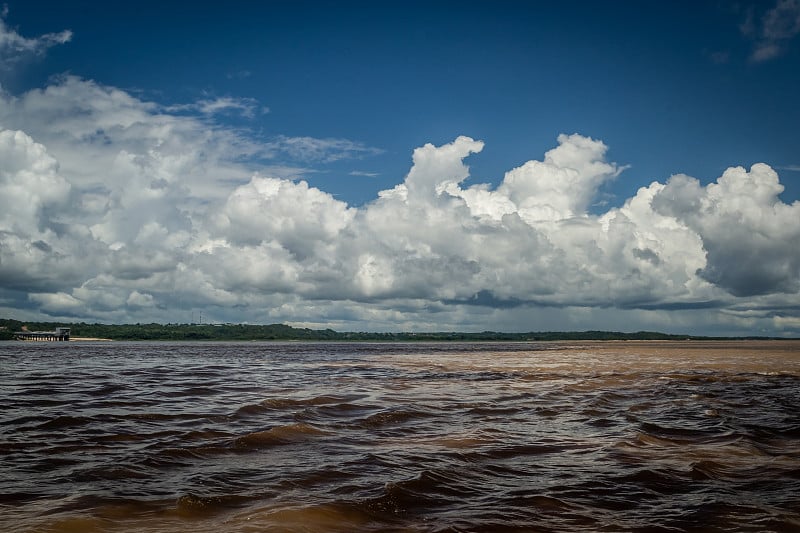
x: 113, y: 208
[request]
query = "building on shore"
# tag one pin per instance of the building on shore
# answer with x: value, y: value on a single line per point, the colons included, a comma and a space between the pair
x: 59, y: 334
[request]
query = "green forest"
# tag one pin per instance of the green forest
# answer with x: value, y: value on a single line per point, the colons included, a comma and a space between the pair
x: 282, y: 332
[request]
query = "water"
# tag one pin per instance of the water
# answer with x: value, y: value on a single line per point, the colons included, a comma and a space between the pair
x: 400, y: 437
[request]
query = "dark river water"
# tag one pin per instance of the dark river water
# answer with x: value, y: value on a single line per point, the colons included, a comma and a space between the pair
x: 454, y: 437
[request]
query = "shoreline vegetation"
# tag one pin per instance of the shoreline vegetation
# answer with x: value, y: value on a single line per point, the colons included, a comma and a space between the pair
x: 281, y: 332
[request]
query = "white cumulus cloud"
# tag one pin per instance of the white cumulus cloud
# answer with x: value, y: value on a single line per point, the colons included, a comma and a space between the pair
x: 746, y: 230
x: 115, y: 208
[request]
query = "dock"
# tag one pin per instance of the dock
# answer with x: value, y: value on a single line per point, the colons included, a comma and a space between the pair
x: 59, y: 334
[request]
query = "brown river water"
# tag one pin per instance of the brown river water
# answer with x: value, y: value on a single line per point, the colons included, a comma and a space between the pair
x: 433, y: 437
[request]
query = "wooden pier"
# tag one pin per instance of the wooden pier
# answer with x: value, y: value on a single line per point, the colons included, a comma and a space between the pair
x: 60, y: 334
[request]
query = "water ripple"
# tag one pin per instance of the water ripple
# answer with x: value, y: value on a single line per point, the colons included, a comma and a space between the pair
x: 399, y: 437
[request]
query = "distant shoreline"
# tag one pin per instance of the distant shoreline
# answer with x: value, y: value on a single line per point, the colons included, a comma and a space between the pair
x: 282, y: 332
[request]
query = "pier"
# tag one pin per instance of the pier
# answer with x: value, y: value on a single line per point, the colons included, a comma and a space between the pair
x: 59, y: 334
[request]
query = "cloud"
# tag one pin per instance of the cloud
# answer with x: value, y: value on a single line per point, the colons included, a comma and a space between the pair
x: 746, y: 230
x: 239, y: 74
x: 292, y: 214
x: 246, y: 107
x: 14, y: 47
x: 137, y: 299
x: 311, y: 149
x: 530, y: 240
x: 34, y: 199
x: 364, y: 173
x: 719, y: 57
x: 29, y: 183
x: 117, y: 209
x: 776, y: 28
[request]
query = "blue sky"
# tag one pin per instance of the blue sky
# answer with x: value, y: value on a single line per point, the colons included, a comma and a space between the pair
x: 337, y: 96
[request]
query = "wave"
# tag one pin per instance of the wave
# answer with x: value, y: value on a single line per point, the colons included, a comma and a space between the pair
x: 288, y: 434
x: 283, y: 404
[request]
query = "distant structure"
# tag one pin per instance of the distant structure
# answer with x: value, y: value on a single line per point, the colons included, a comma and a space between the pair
x: 60, y: 334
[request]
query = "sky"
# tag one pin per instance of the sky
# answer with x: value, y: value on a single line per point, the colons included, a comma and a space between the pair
x: 403, y: 166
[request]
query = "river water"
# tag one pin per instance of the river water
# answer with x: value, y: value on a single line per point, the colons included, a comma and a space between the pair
x: 435, y: 437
